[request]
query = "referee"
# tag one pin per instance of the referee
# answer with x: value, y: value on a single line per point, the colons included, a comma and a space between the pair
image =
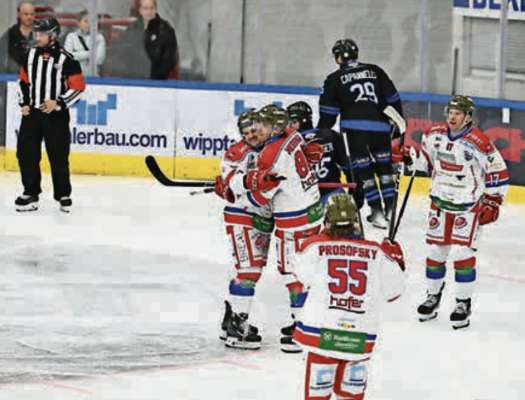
x: 51, y: 81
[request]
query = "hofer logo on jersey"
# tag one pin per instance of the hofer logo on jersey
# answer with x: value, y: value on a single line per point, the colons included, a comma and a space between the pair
x: 350, y: 303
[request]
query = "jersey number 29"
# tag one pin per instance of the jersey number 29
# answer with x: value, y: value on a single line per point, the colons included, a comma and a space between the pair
x: 365, y: 91
x: 348, y: 275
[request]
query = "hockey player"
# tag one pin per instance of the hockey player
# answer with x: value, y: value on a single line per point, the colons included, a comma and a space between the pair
x: 333, y: 161
x: 364, y: 95
x: 284, y: 181
x: 469, y: 181
x: 349, y: 280
x: 248, y: 229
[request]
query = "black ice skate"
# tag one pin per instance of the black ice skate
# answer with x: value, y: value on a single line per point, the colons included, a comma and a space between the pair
x: 287, y: 343
x: 377, y: 219
x: 237, y: 333
x: 460, y: 315
x: 26, y: 203
x: 428, y: 310
x: 65, y: 204
x: 227, y: 315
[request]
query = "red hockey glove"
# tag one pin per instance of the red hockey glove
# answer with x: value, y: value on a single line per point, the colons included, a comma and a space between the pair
x: 489, y: 209
x: 223, y: 190
x: 261, y: 181
x: 314, y: 152
x: 394, y: 251
x: 400, y: 153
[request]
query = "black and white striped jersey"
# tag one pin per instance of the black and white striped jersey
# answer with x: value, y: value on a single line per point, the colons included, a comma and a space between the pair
x: 50, y: 73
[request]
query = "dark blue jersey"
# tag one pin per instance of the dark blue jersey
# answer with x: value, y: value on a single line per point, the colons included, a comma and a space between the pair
x: 334, y: 159
x: 358, y: 93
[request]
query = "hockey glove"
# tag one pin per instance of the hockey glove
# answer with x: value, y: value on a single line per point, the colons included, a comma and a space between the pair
x: 489, y: 209
x: 261, y: 181
x: 400, y: 153
x: 393, y: 250
x: 314, y: 152
x: 223, y: 190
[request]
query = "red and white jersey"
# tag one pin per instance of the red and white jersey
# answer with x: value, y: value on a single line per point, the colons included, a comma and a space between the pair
x: 295, y: 201
x: 462, y: 167
x: 235, y: 163
x: 349, y: 281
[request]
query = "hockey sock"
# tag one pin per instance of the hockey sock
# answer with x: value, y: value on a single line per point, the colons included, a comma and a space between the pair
x: 435, y: 273
x: 241, y: 294
x: 387, y: 189
x: 372, y: 194
x: 298, y: 296
x: 465, y: 277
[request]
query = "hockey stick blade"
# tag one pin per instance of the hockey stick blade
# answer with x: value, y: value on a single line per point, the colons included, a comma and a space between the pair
x: 157, y: 173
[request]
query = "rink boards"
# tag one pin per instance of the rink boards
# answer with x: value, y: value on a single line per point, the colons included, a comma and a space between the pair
x: 187, y: 126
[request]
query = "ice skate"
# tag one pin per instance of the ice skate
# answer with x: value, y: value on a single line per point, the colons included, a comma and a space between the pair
x: 377, y: 219
x: 237, y: 333
x: 460, y: 315
x: 287, y: 343
x: 65, y: 204
x: 429, y: 309
x: 26, y: 203
x: 227, y: 315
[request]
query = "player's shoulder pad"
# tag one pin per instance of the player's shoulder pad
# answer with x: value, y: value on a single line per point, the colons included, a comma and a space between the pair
x: 333, y: 76
x: 438, y: 129
x: 271, y: 151
x: 237, y: 151
x: 480, y: 140
x: 319, y: 238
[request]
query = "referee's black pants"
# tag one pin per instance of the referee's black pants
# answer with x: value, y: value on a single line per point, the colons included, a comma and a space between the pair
x: 53, y: 128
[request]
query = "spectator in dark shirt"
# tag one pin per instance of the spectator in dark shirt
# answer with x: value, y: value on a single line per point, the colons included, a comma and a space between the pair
x: 18, y: 39
x: 148, y: 48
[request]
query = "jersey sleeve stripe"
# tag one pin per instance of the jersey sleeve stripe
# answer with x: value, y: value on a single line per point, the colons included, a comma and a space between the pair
x: 392, y: 99
x: 497, y: 184
x: 329, y: 110
x: 257, y: 199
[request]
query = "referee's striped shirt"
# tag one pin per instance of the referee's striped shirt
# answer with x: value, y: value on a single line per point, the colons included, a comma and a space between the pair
x: 50, y: 73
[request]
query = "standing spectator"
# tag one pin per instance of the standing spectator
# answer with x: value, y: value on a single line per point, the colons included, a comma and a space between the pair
x: 51, y: 81
x: 78, y: 43
x: 148, y: 48
x: 17, y: 40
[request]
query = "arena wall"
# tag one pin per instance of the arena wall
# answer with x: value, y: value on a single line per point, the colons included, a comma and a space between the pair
x: 188, y: 125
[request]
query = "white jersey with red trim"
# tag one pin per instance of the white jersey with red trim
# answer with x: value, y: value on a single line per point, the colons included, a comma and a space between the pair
x: 295, y: 201
x: 236, y: 162
x: 462, y: 167
x: 349, y: 281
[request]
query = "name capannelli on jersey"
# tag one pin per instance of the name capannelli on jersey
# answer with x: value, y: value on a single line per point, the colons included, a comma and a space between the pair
x: 354, y: 76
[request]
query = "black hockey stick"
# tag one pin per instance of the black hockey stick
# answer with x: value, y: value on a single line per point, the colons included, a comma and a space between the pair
x: 393, y: 214
x: 392, y: 235
x: 155, y: 170
x: 347, y: 149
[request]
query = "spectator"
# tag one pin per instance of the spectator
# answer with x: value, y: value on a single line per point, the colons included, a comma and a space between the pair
x: 18, y: 39
x: 148, y: 48
x: 78, y: 43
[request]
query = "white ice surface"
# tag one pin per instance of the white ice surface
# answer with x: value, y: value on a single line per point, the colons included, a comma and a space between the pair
x: 122, y: 300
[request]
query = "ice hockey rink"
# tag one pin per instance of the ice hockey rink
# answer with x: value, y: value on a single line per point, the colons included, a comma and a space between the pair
x: 122, y: 300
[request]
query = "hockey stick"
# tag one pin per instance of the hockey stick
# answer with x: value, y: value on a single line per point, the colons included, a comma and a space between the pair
x: 347, y: 149
x: 322, y: 185
x: 393, y: 234
x: 155, y: 170
x: 393, y: 213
